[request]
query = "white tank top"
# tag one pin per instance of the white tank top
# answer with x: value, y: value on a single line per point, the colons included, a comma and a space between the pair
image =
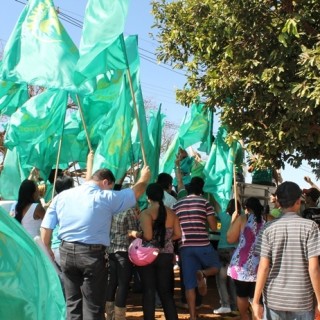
x: 31, y: 225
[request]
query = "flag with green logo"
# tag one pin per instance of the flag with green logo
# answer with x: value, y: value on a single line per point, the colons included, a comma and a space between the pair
x: 35, y: 129
x: 30, y: 287
x: 219, y: 169
x: 100, y: 46
x: 39, y: 50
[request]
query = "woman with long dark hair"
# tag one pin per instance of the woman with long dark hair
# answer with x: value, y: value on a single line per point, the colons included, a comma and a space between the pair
x: 29, y: 211
x: 159, y: 225
x: 243, y: 266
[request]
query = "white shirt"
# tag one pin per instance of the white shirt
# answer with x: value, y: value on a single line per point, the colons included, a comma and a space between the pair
x: 169, y: 200
x: 31, y: 225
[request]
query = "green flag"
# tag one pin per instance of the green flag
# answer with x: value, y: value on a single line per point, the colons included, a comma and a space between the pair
x: 136, y: 143
x: 155, y: 133
x: 12, y: 96
x: 208, y: 137
x: 219, y: 169
x: 12, y: 175
x: 30, y: 287
x: 96, y: 105
x: 114, y: 148
x: 38, y: 119
x: 100, y: 45
x: 167, y: 161
x: 73, y: 149
x: 35, y: 129
x: 195, y: 127
x: 133, y: 61
x: 39, y: 50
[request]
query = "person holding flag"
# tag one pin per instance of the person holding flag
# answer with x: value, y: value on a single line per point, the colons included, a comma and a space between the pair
x: 84, y: 216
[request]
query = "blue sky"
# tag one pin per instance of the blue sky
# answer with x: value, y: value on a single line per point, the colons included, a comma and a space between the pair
x: 158, y: 81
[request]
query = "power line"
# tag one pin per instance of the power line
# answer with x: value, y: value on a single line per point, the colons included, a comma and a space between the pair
x: 160, y: 65
x: 155, y: 86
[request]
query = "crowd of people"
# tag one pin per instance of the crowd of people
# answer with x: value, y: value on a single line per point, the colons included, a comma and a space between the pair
x: 265, y: 264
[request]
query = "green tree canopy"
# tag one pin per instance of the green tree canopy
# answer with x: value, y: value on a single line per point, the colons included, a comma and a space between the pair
x: 257, y: 62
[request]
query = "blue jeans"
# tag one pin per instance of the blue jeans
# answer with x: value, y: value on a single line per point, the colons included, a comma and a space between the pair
x: 119, y: 277
x: 84, y: 278
x: 289, y: 315
x: 158, y: 276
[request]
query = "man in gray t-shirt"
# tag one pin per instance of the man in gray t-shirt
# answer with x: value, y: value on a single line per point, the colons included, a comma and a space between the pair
x: 288, y: 271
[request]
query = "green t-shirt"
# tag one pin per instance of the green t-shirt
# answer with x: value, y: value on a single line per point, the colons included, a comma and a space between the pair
x: 276, y: 212
x: 182, y: 193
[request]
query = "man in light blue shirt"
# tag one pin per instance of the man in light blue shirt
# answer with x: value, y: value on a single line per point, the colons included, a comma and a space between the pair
x: 84, y: 217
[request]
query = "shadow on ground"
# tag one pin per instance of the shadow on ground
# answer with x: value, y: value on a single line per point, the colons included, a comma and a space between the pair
x: 210, y: 302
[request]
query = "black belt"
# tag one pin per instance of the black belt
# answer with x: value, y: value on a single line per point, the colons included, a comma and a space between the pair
x: 89, y: 245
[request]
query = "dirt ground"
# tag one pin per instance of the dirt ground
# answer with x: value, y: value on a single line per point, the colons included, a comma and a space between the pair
x: 210, y: 302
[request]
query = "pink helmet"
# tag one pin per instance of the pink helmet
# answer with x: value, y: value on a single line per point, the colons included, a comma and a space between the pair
x: 141, y: 255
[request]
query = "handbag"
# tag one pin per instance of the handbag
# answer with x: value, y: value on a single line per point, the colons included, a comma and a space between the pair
x: 142, y: 253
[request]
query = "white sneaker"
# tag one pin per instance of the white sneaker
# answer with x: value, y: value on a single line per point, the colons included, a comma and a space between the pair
x: 222, y: 310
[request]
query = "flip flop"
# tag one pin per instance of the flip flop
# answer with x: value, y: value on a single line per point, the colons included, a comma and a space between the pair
x: 202, y: 283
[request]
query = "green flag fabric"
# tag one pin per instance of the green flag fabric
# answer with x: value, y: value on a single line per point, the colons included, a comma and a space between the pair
x: 219, y: 169
x: 12, y: 175
x: 208, y: 138
x: 12, y: 96
x: 136, y: 143
x: 73, y: 149
x: 155, y: 133
x: 113, y: 151
x: 39, y: 50
x: 96, y: 105
x: 35, y: 130
x: 30, y: 287
x: 195, y: 127
x: 100, y: 46
x: 168, y: 160
x: 38, y: 119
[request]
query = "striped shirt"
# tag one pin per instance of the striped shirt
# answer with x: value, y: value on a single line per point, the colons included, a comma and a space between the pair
x: 192, y: 212
x: 289, y: 242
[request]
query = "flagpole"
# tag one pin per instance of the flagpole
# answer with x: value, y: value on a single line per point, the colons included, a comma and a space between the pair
x: 58, y: 157
x: 134, y: 101
x: 84, y: 123
x: 235, y: 190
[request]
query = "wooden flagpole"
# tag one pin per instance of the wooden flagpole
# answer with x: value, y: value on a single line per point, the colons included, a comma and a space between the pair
x: 84, y: 123
x: 235, y: 189
x: 58, y: 157
x: 134, y: 101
